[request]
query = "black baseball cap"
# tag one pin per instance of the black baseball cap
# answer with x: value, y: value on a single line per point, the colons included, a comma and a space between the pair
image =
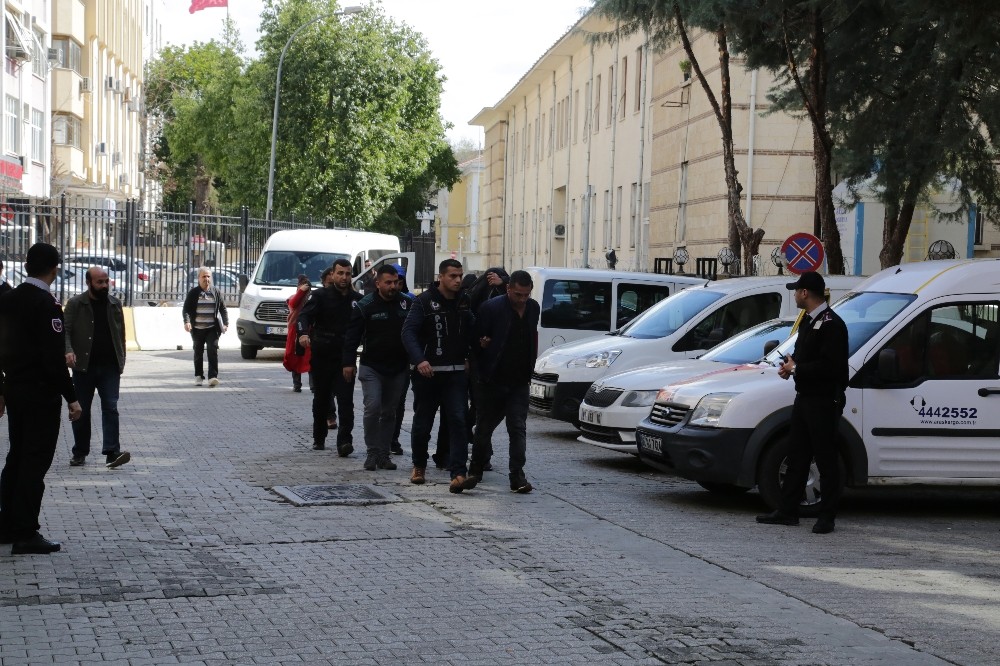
x: 41, y: 257
x: 810, y: 280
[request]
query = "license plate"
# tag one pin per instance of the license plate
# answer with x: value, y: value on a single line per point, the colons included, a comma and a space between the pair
x: 650, y: 443
x: 538, y: 390
x: 590, y: 416
x: 276, y: 330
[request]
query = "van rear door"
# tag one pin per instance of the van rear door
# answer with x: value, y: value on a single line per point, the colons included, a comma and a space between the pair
x: 633, y: 297
x: 405, y: 259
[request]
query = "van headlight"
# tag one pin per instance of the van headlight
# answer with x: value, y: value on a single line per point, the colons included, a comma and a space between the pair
x: 709, y: 409
x: 600, y: 359
x: 639, y: 399
x: 247, y: 302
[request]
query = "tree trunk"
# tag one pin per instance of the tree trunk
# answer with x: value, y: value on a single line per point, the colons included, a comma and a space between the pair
x: 896, y: 226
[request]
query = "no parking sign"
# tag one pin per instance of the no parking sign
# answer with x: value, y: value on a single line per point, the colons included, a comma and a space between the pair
x: 802, y: 252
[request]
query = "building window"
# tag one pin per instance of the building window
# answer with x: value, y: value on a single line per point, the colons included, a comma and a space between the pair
x: 597, y: 105
x: 575, y: 116
x: 608, y: 204
x: 39, y: 62
x: 637, y: 95
x: 618, y: 218
x: 12, y: 125
x: 611, y: 94
x: 66, y: 130
x: 623, y: 86
x: 70, y: 55
x: 37, y: 141
x: 633, y: 217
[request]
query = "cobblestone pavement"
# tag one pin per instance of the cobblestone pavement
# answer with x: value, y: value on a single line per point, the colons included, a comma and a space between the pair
x: 186, y: 555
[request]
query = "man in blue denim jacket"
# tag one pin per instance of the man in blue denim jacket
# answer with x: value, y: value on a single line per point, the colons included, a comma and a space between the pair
x: 507, y: 326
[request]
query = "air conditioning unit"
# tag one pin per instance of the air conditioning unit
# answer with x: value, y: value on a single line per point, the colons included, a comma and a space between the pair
x: 86, y: 85
x: 559, y: 231
x: 101, y: 149
x: 116, y: 158
x: 122, y: 180
x: 54, y: 55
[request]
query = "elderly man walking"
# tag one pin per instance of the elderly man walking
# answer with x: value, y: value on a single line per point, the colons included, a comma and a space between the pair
x: 205, y: 318
x: 95, y: 350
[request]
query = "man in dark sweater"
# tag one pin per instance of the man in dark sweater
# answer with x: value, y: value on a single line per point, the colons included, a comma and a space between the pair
x: 322, y: 326
x: 377, y: 322
x: 35, y: 381
x: 438, y: 335
x: 508, y: 344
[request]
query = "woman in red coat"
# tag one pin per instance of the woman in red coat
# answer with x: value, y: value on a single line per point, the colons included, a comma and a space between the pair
x: 297, y: 358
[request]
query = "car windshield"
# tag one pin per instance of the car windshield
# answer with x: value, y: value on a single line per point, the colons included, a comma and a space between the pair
x: 864, y: 313
x: 281, y: 268
x: 670, y: 314
x: 748, y: 346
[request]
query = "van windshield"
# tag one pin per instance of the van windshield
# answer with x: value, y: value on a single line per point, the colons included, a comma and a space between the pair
x: 670, y: 314
x: 864, y: 313
x: 281, y: 268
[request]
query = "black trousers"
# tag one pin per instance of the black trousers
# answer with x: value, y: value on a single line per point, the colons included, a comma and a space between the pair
x: 206, y: 337
x: 328, y: 380
x: 33, y: 423
x: 813, y: 435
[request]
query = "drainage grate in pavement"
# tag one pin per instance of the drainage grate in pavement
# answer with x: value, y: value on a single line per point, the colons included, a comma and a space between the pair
x: 351, y: 494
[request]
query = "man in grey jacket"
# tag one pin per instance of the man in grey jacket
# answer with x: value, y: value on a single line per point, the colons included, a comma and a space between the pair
x: 95, y: 350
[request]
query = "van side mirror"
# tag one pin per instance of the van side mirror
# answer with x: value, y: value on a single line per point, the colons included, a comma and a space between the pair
x: 888, y: 366
x: 770, y: 346
x: 243, y: 280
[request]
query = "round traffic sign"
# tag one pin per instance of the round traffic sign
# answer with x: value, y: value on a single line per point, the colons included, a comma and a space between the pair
x: 803, y: 252
x: 6, y: 214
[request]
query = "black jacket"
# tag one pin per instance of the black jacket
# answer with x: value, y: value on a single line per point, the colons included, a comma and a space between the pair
x: 325, y: 316
x: 440, y: 331
x: 821, y: 356
x: 379, y: 325
x: 190, y: 309
x: 493, y: 321
x: 33, y: 343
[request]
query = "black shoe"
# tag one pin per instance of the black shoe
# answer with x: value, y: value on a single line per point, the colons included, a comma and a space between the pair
x: 488, y: 467
x: 297, y: 389
x: 778, y: 518
x: 344, y: 450
x: 6, y: 538
x: 520, y: 485
x: 396, y: 449
x: 318, y: 446
x: 439, y: 461
x: 370, y: 463
x: 34, y: 545
x: 118, y: 459
x: 386, y: 463
x: 76, y: 461
x: 823, y: 526
x: 471, y: 481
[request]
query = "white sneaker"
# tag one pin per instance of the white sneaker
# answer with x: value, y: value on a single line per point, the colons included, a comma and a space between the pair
x: 213, y: 382
x: 198, y: 381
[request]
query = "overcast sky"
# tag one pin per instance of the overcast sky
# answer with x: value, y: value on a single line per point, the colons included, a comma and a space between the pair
x: 483, y: 47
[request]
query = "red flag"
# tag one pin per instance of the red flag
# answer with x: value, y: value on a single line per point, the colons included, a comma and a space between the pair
x: 198, y: 5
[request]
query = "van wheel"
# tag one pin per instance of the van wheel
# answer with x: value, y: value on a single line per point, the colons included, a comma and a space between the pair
x: 249, y: 352
x: 771, y: 477
x: 726, y: 489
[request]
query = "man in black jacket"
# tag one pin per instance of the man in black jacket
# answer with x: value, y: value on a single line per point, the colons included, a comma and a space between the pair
x: 322, y: 326
x: 438, y: 335
x: 206, y: 319
x: 818, y: 365
x: 35, y: 381
x: 508, y: 344
x: 377, y: 322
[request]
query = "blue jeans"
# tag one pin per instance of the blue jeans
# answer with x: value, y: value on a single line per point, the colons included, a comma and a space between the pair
x: 495, y: 404
x: 105, y: 379
x: 447, y: 390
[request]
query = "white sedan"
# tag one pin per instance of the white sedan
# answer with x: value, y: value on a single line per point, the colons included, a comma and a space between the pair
x: 614, y: 406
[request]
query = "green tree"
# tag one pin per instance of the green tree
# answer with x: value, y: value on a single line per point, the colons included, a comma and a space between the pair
x: 666, y: 22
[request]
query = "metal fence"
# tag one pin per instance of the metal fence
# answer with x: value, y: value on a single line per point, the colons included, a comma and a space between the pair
x: 152, y: 258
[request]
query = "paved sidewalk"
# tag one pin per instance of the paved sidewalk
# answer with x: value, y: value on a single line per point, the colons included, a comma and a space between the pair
x: 186, y: 555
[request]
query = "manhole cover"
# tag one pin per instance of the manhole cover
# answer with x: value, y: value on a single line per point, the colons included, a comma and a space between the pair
x: 345, y: 493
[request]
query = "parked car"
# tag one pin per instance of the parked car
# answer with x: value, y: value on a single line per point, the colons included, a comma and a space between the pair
x: 117, y: 266
x: 227, y: 282
x: 614, y: 406
x: 75, y: 275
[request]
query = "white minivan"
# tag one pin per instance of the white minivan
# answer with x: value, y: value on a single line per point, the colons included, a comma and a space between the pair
x: 924, y: 345
x: 578, y: 303
x: 263, y: 318
x: 684, y: 325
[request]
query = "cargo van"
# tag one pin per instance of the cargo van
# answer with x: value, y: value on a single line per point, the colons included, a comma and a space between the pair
x: 922, y: 401
x: 263, y: 318
x: 579, y: 303
x: 685, y: 325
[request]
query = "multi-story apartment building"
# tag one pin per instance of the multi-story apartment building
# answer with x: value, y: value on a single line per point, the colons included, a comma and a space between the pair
x: 24, y: 154
x: 457, y: 228
x: 97, y: 90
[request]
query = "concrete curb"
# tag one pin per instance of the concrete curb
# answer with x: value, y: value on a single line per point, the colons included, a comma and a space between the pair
x: 162, y: 329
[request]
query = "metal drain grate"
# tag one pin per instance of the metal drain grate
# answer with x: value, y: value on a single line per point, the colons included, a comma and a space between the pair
x: 350, y: 494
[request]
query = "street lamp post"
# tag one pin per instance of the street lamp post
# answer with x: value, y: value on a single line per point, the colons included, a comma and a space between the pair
x: 277, y: 97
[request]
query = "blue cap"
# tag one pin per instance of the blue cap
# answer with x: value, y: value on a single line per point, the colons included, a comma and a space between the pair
x: 400, y: 270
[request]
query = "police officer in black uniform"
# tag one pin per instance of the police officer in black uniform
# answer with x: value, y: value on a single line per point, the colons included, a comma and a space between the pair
x: 818, y: 365
x: 322, y: 326
x: 35, y: 381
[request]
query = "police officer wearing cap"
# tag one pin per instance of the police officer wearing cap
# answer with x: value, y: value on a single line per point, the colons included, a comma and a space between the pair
x: 818, y: 366
x: 35, y: 381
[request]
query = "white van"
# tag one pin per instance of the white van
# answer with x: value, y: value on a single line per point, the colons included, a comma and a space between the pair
x: 924, y: 344
x: 263, y: 318
x: 579, y: 303
x: 684, y: 325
